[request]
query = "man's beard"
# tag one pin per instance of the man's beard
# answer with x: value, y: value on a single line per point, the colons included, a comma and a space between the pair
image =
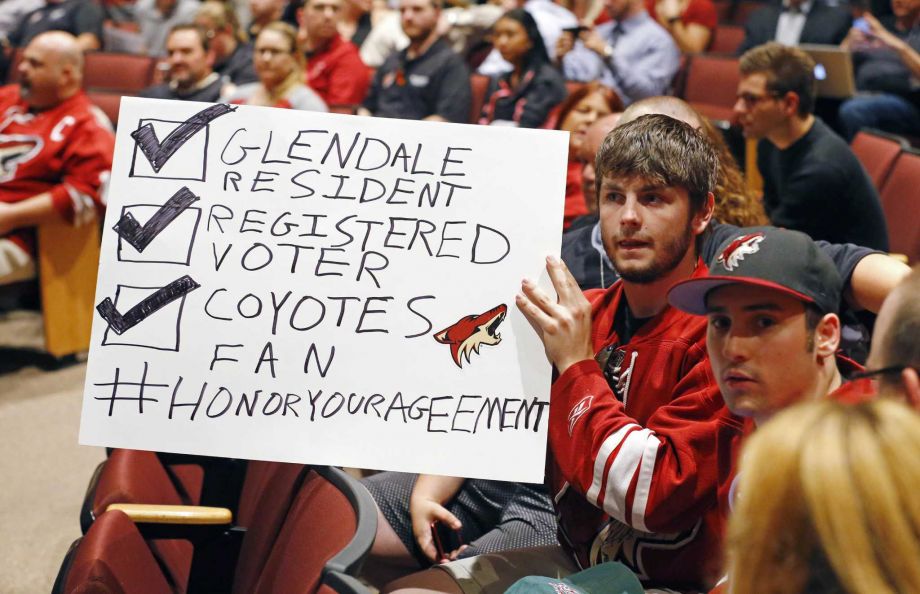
x: 666, y: 260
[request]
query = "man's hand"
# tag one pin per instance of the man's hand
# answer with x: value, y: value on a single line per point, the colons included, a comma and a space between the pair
x: 564, y: 45
x: 668, y: 9
x: 596, y: 43
x: 883, y: 35
x: 565, y: 326
x: 423, y: 512
x: 6, y: 219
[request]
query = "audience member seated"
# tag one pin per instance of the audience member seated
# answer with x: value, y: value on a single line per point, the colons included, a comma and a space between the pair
x: 427, y: 80
x: 334, y: 68
x: 632, y: 54
x: 58, y: 150
x: 191, y: 76
x: 886, y: 63
x: 796, y: 21
x: 232, y: 54
x: 812, y: 181
x: 577, y: 113
x: 12, y: 13
x: 692, y: 23
x: 827, y: 502
x: 263, y: 12
x: 551, y: 18
x: 735, y: 206
x: 280, y: 67
x: 157, y: 17
x: 895, y: 355
x: 80, y: 18
x: 525, y: 96
x: 374, y: 28
x: 648, y: 403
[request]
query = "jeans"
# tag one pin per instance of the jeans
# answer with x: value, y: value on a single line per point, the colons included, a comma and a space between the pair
x: 889, y: 113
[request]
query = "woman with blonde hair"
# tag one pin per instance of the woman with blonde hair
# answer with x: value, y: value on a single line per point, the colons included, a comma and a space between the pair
x: 280, y: 65
x: 827, y: 502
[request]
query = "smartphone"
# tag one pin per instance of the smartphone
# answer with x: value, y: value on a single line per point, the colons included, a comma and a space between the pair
x: 446, y: 539
x: 862, y: 24
x: 576, y: 31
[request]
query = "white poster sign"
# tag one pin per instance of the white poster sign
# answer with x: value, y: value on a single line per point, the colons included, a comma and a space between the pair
x: 325, y: 289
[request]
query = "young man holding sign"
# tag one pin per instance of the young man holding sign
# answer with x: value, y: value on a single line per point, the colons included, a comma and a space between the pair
x: 633, y: 468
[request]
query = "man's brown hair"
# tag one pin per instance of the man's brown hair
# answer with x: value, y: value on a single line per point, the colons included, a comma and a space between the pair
x: 901, y: 343
x: 202, y: 34
x: 663, y: 150
x: 788, y: 69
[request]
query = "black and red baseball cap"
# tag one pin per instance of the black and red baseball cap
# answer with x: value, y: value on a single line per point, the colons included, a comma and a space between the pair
x: 768, y: 257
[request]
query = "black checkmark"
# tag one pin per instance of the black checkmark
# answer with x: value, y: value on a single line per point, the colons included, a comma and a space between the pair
x: 140, y: 236
x: 120, y: 323
x: 158, y: 153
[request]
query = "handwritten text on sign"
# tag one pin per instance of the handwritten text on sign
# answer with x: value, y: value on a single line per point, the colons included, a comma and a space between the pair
x: 324, y: 289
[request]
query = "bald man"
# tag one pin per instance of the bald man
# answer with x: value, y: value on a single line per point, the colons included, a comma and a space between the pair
x: 55, y: 150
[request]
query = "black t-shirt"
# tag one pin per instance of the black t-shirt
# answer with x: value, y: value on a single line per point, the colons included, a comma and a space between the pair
x: 238, y: 68
x: 435, y: 83
x: 73, y: 16
x: 209, y: 92
x: 818, y: 186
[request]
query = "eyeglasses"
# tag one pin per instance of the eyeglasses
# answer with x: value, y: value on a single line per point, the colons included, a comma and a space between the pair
x: 750, y: 99
x: 894, y: 369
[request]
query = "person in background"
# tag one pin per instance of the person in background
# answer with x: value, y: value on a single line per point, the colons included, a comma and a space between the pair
x: 425, y: 81
x: 334, y: 68
x: 280, y: 67
x: 263, y: 12
x: 886, y: 63
x: 232, y: 54
x: 692, y: 23
x: 812, y: 181
x: 191, y: 75
x: 57, y: 151
x: 80, y: 18
x: 792, y: 22
x: 632, y: 54
x: 581, y: 108
x: 828, y: 502
x: 525, y: 96
x: 157, y: 17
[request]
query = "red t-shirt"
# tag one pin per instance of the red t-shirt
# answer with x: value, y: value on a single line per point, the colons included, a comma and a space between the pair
x: 337, y: 73
x: 701, y: 12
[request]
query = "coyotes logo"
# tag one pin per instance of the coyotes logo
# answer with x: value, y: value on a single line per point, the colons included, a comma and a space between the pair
x: 16, y: 149
x: 735, y: 252
x: 471, y: 332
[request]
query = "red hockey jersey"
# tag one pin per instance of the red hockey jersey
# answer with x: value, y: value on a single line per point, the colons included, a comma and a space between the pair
x: 640, y: 474
x: 66, y: 150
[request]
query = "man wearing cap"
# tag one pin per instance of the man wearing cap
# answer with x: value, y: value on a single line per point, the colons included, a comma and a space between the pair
x: 771, y: 302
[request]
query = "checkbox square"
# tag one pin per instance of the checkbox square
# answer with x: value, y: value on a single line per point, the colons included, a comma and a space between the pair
x: 188, y: 163
x: 160, y: 332
x: 172, y: 245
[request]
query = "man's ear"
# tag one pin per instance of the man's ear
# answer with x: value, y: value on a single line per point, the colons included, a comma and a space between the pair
x: 827, y: 336
x: 704, y: 215
x: 791, y: 102
x: 911, y: 382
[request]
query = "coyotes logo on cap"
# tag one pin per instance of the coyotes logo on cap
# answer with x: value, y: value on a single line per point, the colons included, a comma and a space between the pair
x: 735, y: 252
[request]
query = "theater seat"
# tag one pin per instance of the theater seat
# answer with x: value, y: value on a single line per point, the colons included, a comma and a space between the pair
x: 479, y: 84
x: 116, y: 72
x: 112, y: 558
x: 877, y: 151
x: 291, y: 545
x: 901, y: 203
x: 330, y: 527
x: 341, y: 583
x: 726, y: 40
x: 712, y: 85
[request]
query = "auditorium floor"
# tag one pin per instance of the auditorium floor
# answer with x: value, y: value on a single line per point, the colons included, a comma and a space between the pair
x: 43, y: 472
